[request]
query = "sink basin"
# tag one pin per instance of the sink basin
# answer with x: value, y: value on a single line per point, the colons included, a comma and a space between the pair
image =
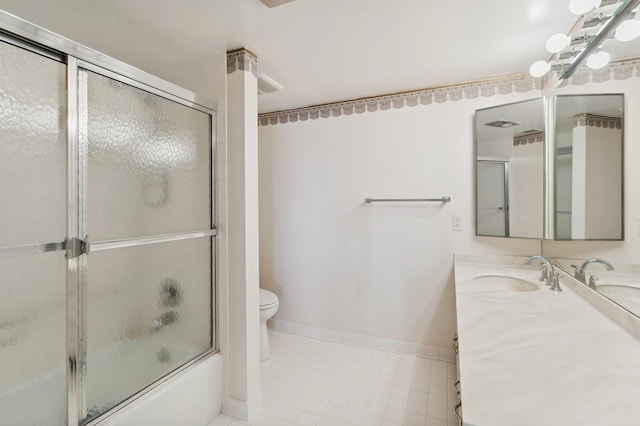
x: 626, y: 296
x: 505, y: 283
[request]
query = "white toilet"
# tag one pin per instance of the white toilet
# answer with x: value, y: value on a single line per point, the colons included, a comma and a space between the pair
x: 268, y: 308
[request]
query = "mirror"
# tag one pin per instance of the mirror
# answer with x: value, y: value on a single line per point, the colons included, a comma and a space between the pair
x: 622, y: 283
x: 509, y: 146
x: 618, y: 281
x: 588, y: 166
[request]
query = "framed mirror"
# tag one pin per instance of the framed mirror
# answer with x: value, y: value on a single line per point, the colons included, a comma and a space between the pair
x: 509, y: 169
x: 588, y: 167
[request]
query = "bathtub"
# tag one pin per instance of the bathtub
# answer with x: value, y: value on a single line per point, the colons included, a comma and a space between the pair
x: 189, y: 396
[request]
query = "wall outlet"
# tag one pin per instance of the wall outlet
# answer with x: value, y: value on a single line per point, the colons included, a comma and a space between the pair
x: 457, y: 222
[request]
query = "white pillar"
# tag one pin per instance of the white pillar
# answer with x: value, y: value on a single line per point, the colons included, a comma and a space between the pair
x: 596, y: 206
x: 242, y: 391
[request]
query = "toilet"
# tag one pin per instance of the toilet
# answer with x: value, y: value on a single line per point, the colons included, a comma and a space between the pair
x: 268, y: 308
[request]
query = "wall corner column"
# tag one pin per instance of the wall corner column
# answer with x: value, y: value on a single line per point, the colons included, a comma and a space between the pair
x: 242, y: 397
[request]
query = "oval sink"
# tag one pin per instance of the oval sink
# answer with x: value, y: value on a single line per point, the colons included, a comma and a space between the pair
x: 626, y: 296
x: 505, y: 283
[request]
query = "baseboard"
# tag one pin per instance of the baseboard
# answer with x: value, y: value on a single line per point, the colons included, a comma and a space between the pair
x: 390, y: 345
x: 242, y: 410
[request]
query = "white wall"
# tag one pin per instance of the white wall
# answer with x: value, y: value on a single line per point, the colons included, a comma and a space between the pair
x: 629, y: 249
x: 378, y: 270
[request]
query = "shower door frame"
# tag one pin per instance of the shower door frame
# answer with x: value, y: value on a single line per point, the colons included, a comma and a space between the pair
x: 77, y: 57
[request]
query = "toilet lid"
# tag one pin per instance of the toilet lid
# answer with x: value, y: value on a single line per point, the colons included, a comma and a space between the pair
x: 267, y: 298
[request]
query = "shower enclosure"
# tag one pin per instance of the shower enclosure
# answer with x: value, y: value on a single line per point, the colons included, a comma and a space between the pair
x: 106, y: 230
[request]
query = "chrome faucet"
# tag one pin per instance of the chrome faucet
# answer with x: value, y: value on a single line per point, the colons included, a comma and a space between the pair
x: 549, y: 275
x: 547, y: 268
x: 579, y: 272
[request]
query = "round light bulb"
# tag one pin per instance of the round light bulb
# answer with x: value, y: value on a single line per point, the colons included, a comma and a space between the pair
x: 628, y: 30
x: 539, y: 68
x: 557, y: 42
x: 598, y: 60
x: 580, y: 7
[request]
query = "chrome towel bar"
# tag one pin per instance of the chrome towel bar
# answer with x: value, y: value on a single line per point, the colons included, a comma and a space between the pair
x: 409, y: 200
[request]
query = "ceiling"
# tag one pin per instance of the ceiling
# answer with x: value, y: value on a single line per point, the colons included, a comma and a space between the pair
x: 319, y: 50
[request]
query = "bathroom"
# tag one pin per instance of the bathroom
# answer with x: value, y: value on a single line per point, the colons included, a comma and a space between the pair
x: 394, y: 120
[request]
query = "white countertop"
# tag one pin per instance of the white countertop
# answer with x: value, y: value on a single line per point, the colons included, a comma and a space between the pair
x: 538, y: 357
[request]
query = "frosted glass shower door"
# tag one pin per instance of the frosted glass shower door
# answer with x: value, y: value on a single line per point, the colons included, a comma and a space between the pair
x: 148, y: 214
x: 33, y: 268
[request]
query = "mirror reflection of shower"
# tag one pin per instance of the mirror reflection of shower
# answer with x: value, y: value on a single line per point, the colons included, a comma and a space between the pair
x: 509, y: 170
x: 493, y: 197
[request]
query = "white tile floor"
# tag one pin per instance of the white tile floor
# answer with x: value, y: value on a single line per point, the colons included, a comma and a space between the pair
x: 313, y: 382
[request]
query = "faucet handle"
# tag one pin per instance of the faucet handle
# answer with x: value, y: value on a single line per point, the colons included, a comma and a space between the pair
x: 578, y: 273
x: 545, y: 274
x: 555, y: 283
x: 593, y: 279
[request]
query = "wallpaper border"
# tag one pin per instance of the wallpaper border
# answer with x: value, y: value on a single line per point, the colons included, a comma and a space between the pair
x: 528, y: 138
x: 242, y: 59
x: 620, y: 70
x: 592, y: 120
x: 438, y: 95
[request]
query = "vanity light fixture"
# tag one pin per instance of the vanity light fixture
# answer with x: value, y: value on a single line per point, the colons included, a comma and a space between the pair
x: 539, y: 68
x: 598, y: 60
x: 598, y: 21
x: 557, y: 43
x: 628, y: 30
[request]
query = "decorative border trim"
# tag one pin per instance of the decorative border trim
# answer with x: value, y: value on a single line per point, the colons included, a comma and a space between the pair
x: 528, y: 138
x: 621, y: 70
x: 436, y: 353
x: 242, y: 59
x: 593, y: 120
x: 455, y: 92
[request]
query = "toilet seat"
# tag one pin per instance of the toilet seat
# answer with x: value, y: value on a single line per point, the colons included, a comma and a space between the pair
x: 267, y: 299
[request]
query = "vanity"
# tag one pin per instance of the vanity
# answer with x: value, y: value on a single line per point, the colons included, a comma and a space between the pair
x: 530, y: 356
x: 561, y: 169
